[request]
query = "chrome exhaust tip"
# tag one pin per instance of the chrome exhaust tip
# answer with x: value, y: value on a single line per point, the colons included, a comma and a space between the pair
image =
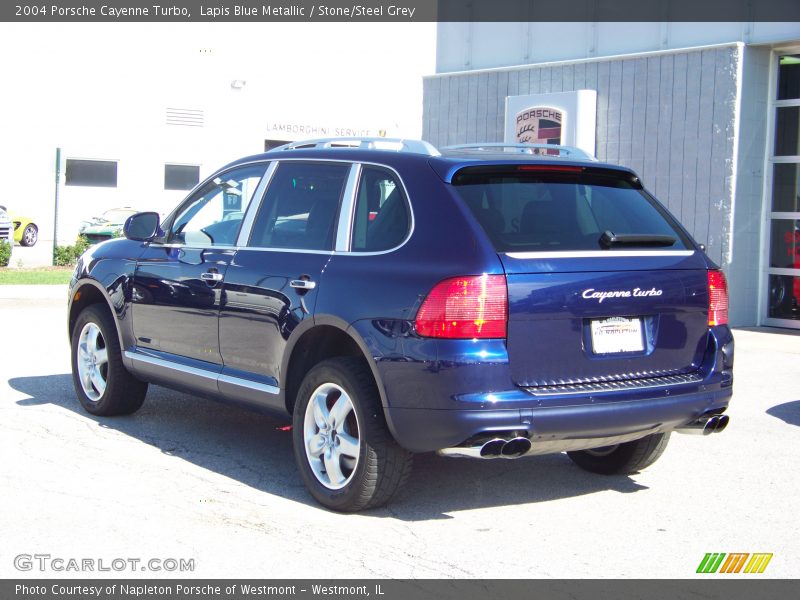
x: 493, y: 448
x: 516, y: 447
x: 722, y: 423
x: 711, y: 425
x: 705, y: 425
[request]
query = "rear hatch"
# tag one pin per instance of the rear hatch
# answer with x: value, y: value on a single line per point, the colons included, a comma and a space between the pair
x: 603, y: 284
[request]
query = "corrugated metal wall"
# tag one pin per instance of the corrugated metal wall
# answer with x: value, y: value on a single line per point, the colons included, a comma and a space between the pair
x: 669, y: 116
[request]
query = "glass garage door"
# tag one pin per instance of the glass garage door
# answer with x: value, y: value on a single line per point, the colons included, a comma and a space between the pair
x: 783, y: 268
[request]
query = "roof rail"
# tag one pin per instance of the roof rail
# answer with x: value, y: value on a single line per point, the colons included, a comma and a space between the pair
x: 369, y: 143
x: 542, y: 149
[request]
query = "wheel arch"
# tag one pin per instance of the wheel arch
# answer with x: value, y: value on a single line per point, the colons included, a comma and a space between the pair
x: 328, y: 337
x: 88, y: 292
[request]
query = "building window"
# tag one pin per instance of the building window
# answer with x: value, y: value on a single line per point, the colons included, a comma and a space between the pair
x: 270, y: 144
x: 91, y: 173
x: 783, y: 258
x: 181, y: 177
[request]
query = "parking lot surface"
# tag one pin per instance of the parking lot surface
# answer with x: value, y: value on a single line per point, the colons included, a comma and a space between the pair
x: 187, y: 478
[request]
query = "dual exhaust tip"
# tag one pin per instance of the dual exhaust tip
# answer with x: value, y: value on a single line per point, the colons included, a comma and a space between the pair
x: 500, y: 448
x: 520, y: 446
x: 706, y: 425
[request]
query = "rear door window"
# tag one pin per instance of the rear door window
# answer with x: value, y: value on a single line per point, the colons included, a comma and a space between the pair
x: 539, y: 210
x: 382, y: 218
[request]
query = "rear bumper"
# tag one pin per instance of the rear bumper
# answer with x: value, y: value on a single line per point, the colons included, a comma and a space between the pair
x: 437, y: 401
x: 557, y: 428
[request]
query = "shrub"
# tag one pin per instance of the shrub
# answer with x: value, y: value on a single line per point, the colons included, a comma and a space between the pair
x: 5, y: 253
x: 66, y: 256
x: 62, y: 255
x: 81, y: 245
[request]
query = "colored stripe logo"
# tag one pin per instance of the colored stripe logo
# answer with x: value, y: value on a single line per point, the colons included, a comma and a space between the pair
x: 736, y: 562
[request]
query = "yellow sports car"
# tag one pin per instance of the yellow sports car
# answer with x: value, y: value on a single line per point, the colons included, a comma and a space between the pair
x: 26, y: 232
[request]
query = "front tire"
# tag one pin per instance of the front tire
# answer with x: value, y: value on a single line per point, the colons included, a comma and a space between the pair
x: 626, y: 458
x: 346, y: 456
x: 102, y: 383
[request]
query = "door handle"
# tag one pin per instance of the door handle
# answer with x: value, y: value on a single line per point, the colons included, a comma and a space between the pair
x: 211, y: 276
x: 303, y: 284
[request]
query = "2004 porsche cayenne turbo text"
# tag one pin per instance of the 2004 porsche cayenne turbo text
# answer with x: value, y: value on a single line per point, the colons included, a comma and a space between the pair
x: 391, y: 298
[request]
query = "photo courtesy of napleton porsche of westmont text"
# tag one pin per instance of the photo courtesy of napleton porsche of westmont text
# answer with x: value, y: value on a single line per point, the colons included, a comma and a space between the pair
x: 136, y: 590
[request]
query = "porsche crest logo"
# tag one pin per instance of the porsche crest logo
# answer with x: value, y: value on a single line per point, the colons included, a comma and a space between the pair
x: 539, y: 125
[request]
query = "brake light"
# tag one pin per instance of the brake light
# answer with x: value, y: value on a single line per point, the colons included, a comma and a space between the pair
x: 717, y: 298
x: 550, y: 168
x: 465, y: 307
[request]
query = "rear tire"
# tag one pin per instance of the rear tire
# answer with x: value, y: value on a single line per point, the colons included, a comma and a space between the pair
x: 102, y: 383
x: 346, y: 456
x: 626, y: 458
x: 780, y: 294
x: 30, y: 235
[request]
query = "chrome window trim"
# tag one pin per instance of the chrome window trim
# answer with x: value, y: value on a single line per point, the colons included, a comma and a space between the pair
x: 597, y: 254
x: 219, y: 377
x: 175, y: 245
x: 293, y: 250
x: 258, y: 197
x: 344, y: 231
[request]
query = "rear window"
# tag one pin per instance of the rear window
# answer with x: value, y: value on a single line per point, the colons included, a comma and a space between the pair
x: 541, y: 211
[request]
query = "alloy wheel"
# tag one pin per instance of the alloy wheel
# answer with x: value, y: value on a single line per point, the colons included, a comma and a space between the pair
x: 30, y: 235
x: 332, y: 436
x: 92, y: 361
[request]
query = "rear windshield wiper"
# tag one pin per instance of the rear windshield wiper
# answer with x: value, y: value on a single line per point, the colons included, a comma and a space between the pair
x: 610, y: 239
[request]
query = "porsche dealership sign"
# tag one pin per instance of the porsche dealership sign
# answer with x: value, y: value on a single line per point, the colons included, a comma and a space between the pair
x: 565, y: 118
x: 539, y: 125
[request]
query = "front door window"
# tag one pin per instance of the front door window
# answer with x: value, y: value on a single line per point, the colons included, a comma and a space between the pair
x: 214, y: 216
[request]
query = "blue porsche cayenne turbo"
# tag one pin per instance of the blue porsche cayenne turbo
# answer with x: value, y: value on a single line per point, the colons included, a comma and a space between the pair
x: 391, y: 298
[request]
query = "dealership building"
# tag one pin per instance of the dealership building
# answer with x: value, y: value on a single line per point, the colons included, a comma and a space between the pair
x: 708, y: 114
x: 136, y: 114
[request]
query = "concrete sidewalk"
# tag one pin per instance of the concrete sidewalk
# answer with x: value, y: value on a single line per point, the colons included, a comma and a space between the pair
x: 33, y: 292
x: 40, y: 255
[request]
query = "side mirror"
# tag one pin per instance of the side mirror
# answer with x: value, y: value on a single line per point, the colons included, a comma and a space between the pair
x: 142, y: 227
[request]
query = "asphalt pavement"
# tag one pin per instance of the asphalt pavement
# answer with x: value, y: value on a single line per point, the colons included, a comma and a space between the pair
x: 187, y: 479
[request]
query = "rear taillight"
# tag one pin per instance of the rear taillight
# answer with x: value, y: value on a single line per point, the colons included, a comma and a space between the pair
x: 717, y: 298
x: 464, y: 308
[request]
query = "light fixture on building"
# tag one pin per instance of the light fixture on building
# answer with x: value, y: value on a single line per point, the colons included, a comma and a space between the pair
x: 238, y: 84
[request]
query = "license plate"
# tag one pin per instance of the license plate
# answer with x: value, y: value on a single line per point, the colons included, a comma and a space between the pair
x: 617, y: 334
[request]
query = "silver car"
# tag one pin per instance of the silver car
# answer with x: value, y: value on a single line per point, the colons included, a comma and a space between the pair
x: 6, y: 226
